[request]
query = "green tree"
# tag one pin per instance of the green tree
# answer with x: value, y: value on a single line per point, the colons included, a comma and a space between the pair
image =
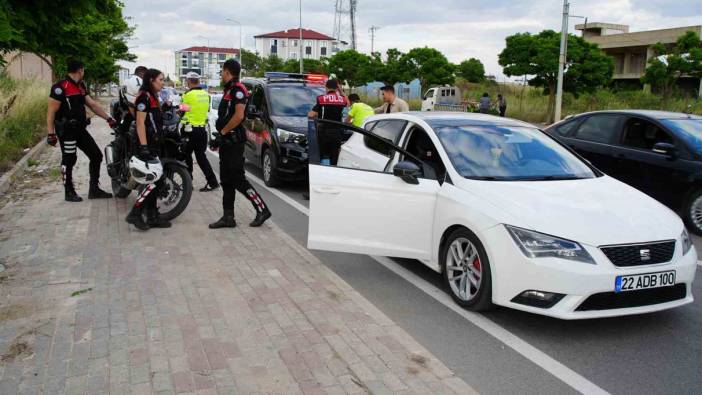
x: 429, y: 65
x: 275, y: 63
x: 252, y: 63
x: 290, y: 66
x: 390, y: 71
x: 472, y: 70
x: 92, y: 30
x: 665, y: 69
x: 586, y: 68
x: 350, y: 67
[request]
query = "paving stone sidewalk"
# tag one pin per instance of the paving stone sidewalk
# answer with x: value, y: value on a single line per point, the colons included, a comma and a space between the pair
x: 90, y: 305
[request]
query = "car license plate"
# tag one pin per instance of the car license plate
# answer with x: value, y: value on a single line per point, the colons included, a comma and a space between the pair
x: 644, y: 281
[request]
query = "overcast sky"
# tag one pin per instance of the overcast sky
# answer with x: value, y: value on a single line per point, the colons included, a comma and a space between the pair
x: 460, y: 29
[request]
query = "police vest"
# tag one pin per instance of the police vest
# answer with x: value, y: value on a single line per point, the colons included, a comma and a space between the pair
x: 199, y: 102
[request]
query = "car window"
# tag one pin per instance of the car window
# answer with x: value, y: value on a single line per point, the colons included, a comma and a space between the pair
x: 390, y: 130
x: 293, y: 100
x: 599, y: 128
x: 429, y: 94
x: 257, y: 97
x: 507, y: 153
x: 216, y: 99
x: 369, y: 126
x: 642, y: 134
x: 689, y: 130
x: 566, y: 128
x: 420, y: 145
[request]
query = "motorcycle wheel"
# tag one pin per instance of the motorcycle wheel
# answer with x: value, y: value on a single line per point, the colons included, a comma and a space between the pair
x: 176, y: 191
x: 119, y: 190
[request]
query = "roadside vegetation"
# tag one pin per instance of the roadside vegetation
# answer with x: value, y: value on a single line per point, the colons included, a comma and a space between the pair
x: 22, y: 117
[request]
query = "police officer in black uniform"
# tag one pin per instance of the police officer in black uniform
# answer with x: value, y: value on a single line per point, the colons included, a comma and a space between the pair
x: 329, y: 106
x: 231, y: 141
x: 66, y: 122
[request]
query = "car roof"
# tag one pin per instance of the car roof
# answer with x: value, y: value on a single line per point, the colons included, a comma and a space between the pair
x: 654, y: 114
x: 437, y: 117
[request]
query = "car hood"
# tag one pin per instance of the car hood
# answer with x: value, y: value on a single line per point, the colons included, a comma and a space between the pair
x: 292, y: 124
x: 597, y: 211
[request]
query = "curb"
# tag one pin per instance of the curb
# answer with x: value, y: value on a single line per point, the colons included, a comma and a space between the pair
x: 19, y: 167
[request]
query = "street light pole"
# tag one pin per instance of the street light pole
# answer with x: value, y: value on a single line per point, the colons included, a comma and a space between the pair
x: 301, y: 62
x: 240, y: 36
x: 561, y: 62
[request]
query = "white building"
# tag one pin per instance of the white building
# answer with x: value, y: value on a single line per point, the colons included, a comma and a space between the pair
x: 206, y: 61
x: 286, y: 44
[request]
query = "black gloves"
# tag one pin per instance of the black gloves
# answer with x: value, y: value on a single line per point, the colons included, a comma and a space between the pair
x: 216, y: 142
x: 51, y: 139
x: 144, y: 153
x: 112, y: 122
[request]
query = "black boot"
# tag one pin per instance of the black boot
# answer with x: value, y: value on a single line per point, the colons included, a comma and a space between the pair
x: 96, y: 193
x: 136, y: 219
x: 209, y: 187
x: 155, y: 221
x: 261, y: 217
x: 227, y: 221
x: 72, y: 196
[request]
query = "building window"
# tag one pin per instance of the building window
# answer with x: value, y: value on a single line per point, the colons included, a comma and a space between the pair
x: 221, y: 56
x: 308, y: 43
x: 282, y: 43
x: 201, y: 55
x: 323, y: 51
x: 294, y: 43
x: 209, y: 57
x: 293, y: 55
x: 308, y: 50
x: 185, y: 63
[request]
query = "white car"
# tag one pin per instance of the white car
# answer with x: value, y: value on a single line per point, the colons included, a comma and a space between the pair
x: 213, y: 115
x: 507, y: 214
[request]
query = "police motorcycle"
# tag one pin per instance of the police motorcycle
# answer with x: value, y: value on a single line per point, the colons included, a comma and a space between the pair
x: 178, y: 185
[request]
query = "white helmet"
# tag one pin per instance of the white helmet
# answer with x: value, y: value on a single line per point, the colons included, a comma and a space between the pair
x: 145, y: 172
x: 131, y: 88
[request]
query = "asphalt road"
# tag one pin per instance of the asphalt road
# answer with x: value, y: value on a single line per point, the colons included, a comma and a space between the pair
x: 657, y: 353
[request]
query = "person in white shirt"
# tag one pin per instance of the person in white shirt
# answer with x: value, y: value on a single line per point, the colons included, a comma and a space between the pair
x: 132, y: 85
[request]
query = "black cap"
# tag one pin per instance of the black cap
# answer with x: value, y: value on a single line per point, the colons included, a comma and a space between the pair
x: 74, y: 65
x: 332, y: 84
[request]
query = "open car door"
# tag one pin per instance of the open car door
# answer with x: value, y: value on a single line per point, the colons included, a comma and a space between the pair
x: 388, y: 213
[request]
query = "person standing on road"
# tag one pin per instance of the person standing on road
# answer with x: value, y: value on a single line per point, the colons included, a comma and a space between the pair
x: 484, y: 103
x: 329, y: 106
x: 501, y: 104
x: 66, y: 123
x: 231, y: 140
x: 197, y: 106
x: 149, y: 126
x: 391, y: 103
x: 359, y: 111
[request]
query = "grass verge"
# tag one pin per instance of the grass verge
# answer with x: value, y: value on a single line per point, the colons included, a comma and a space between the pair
x: 22, y: 117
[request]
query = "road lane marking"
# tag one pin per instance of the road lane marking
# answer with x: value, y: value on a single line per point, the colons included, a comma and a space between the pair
x: 538, y: 357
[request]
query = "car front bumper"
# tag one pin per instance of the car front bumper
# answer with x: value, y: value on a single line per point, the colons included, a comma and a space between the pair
x: 514, y: 273
x: 292, y: 162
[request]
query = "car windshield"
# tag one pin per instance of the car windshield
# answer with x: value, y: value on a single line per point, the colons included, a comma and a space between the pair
x: 293, y: 100
x: 215, y: 101
x: 689, y: 130
x: 508, y: 153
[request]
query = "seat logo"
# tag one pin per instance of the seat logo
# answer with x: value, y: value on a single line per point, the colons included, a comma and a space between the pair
x: 645, y: 254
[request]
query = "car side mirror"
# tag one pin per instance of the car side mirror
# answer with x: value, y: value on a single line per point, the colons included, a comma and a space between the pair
x: 666, y: 149
x: 252, y: 112
x: 408, y: 171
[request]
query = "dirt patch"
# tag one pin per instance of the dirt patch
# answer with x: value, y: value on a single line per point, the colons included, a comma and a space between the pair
x: 15, y: 351
x: 418, y: 359
x: 15, y: 311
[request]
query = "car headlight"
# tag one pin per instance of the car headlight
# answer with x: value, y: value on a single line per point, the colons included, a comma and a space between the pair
x: 686, y: 241
x: 286, y: 136
x: 539, y: 245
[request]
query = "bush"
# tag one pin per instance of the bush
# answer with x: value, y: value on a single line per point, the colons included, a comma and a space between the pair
x: 22, y: 117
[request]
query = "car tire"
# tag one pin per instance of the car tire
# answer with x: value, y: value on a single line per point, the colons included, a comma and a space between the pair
x: 473, y: 288
x: 692, y: 212
x: 269, y: 164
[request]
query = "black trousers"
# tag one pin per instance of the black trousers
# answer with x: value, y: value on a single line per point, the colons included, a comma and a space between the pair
x: 197, y: 143
x: 148, y: 199
x: 72, y: 139
x: 330, y: 140
x: 503, y: 110
x: 232, y: 175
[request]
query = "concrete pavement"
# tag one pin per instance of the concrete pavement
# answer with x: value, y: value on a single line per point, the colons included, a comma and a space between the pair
x: 91, y: 305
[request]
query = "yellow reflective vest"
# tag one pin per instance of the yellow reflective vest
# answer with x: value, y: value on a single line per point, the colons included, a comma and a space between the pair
x: 199, y: 101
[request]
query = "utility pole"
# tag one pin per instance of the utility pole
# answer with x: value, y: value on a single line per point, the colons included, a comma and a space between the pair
x: 372, y: 32
x: 240, y: 36
x: 302, y: 68
x: 561, y: 62
x: 352, y: 13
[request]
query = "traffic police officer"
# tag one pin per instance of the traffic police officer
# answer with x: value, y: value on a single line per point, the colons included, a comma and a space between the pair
x: 197, y: 105
x: 66, y: 118
x: 329, y: 106
x: 231, y: 141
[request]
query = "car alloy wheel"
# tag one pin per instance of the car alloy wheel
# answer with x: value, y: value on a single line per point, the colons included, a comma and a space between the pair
x: 267, y: 167
x: 464, y: 269
x: 695, y: 213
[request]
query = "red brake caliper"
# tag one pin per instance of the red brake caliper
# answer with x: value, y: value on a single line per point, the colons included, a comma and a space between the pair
x: 476, y: 264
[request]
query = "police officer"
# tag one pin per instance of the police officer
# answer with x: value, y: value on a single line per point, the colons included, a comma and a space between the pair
x: 197, y: 104
x: 329, y: 106
x: 231, y: 141
x: 133, y: 85
x: 149, y: 127
x: 66, y: 122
